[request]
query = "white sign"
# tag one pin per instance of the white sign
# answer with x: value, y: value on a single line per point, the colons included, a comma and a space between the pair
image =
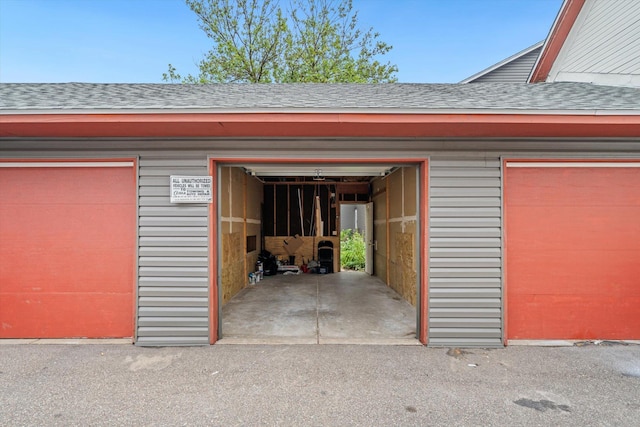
x: 191, y: 189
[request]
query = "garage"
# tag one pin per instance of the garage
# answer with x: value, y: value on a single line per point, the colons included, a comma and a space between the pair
x: 291, y: 213
x: 572, y: 249
x: 484, y: 251
x: 67, y: 249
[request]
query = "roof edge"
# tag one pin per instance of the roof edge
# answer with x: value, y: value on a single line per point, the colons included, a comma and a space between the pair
x: 560, y: 29
x: 272, y: 112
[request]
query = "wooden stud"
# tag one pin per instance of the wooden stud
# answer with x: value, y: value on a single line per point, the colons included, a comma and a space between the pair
x: 244, y: 232
x: 388, y: 244
x: 213, y: 257
x: 288, y: 212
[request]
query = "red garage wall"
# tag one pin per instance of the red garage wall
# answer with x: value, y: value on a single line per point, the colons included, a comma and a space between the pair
x: 573, y: 252
x: 67, y: 251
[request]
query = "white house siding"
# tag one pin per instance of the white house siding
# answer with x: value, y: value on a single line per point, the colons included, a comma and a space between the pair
x: 603, y: 46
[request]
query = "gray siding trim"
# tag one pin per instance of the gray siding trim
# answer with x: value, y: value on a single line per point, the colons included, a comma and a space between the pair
x: 465, y: 251
x: 345, y: 148
x: 173, y: 256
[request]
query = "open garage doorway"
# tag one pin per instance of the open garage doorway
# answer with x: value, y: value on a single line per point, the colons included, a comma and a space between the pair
x: 278, y: 255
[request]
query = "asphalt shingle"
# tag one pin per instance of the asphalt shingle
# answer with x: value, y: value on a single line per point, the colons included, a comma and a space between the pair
x: 318, y: 97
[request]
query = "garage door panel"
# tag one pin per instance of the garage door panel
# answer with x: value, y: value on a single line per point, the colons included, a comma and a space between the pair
x: 564, y: 187
x: 563, y: 317
x: 573, y: 252
x: 569, y: 227
x: 89, y: 274
x: 82, y: 217
x: 40, y: 251
x: 65, y: 185
x: 537, y: 270
x: 67, y: 245
x: 60, y: 227
x: 66, y: 315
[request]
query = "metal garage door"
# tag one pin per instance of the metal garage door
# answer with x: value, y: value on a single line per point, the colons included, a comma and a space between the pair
x: 67, y: 249
x: 573, y: 250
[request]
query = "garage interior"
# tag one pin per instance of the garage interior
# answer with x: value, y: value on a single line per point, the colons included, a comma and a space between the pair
x: 293, y: 212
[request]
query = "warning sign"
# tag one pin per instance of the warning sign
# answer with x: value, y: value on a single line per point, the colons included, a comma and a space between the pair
x: 191, y: 189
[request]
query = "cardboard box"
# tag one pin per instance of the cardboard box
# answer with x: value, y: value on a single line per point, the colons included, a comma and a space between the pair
x: 292, y: 244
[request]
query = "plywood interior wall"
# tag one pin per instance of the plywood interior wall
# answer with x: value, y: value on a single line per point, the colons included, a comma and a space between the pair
x: 240, y: 202
x: 308, y: 250
x: 395, y: 218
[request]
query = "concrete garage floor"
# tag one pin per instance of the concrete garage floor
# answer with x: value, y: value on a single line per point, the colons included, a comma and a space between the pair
x: 339, y: 308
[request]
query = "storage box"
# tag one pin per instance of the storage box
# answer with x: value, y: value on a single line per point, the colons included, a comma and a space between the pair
x: 292, y: 244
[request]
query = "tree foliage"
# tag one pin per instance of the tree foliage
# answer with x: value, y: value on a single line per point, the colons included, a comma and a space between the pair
x: 254, y: 41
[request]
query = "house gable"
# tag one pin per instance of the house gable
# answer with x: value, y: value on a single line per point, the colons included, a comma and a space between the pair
x: 514, y: 69
x: 593, y: 41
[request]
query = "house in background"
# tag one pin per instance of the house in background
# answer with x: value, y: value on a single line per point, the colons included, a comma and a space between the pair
x: 593, y: 41
x: 502, y: 211
x: 514, y: 69
x: 590, y: 41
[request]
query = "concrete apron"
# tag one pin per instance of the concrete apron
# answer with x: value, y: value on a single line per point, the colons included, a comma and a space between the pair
x: 339, y: 308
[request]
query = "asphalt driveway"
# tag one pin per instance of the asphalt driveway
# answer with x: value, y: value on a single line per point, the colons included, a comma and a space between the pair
x: 333, y: 385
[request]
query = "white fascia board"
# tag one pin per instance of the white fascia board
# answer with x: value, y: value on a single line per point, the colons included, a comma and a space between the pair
x: 557, y: 65
x: 545, y: 44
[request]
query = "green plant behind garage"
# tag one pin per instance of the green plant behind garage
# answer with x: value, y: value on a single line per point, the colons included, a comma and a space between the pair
x: 352, y: 250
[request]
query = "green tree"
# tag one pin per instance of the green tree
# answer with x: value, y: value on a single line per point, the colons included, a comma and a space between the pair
x: 317, y: 41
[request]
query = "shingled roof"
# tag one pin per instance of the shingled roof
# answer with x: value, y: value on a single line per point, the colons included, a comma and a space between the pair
x: 487, y: 97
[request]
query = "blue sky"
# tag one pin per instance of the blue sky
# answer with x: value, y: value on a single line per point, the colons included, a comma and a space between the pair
x: 132, y: 41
